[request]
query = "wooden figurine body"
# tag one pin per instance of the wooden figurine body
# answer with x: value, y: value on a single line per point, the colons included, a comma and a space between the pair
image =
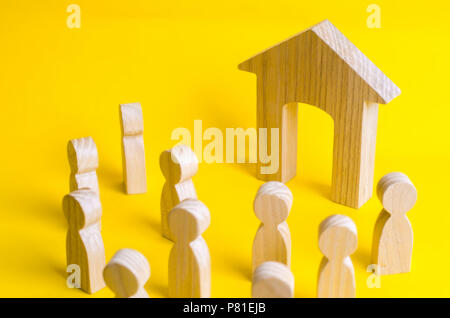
x: 126, y: 274
x: 133, y: 151
x: 178, y: 166
x: 272, y: 241
x: 337, y: 241
x: 83, y: 160
x: 393, y: 235
x: 272, y: 280
x: 189, y: 260
x: 84, y: 243
x: 321, y: 67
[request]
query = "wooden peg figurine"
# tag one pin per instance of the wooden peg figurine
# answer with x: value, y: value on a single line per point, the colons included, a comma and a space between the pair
x: 272, y: 280
x: 337, y: 241
x: 178, y: 166
x: 133, y: 151
x: 189, y: 261
x: 126, y: 274
x: 393, y: 235
x: 84, y: 243
x: 272, y: 241
x: 321, y: 67
x: 83, y: 161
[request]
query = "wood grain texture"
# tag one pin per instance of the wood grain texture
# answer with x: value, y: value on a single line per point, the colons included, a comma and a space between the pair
x: 84, y: 243
x: 189, y: 260
x: 393, y: 234
x: 337, y: 241
x: 133, y: 151
x: 126, y: 274
x: 83, y: 161
x: 178, y: 165
x: 272, y: 241
x: 272, y: 280
x: 321, y: 67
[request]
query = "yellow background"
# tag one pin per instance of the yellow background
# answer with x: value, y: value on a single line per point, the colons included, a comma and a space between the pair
x: 179, y: 59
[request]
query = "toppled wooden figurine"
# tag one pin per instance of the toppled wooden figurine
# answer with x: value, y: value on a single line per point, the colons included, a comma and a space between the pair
x: 272, y: 280
x: 126, y: 274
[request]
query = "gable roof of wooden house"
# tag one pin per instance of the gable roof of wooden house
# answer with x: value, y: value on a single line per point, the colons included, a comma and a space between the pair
x: 384, y: 88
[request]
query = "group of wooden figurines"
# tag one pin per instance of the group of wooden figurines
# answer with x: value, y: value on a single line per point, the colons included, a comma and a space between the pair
x: 391, y: 251
x: 184, y: 218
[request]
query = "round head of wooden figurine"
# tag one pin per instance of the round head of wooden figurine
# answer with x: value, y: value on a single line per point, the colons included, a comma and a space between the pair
x: 83, y: 156
x: 273, y: 202
x: 178, y: 164
x: 272, y: 280
x: 188, y: 220
x: 397, y: 193
x: 82, y: 208
x: 126, y: 272
x: 337, y: 237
